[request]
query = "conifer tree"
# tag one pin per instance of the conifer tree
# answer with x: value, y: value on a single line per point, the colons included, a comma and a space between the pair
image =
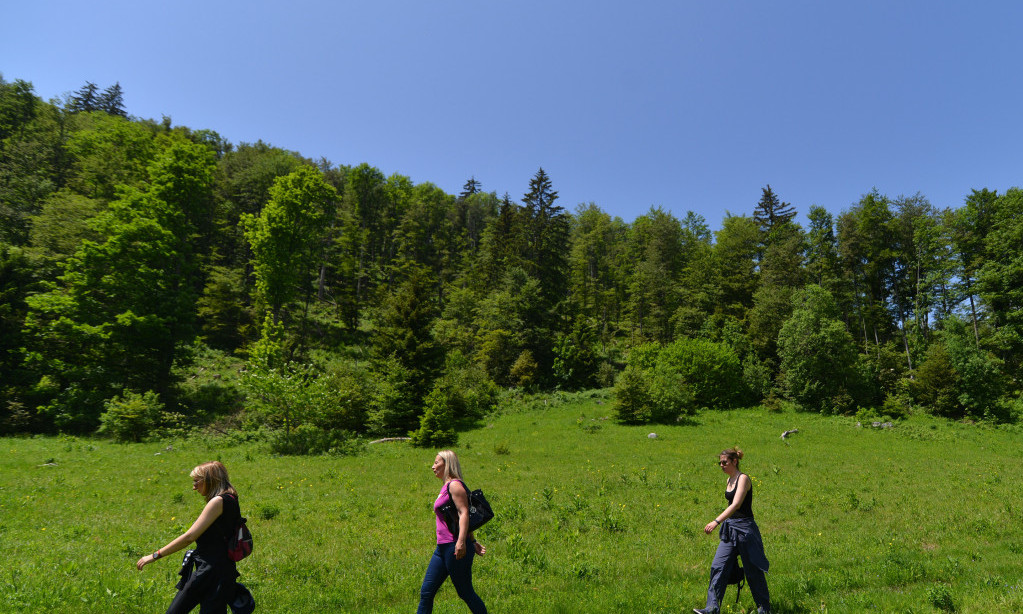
x: 471, y: 187
x: 86, y: 98
x: 771, y: 212
x: 112, y: 101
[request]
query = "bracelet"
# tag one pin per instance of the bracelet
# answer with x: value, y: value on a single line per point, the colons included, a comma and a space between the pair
x: 156, y: 554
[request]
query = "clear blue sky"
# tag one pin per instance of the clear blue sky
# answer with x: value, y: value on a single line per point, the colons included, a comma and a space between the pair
x: 688, y: 105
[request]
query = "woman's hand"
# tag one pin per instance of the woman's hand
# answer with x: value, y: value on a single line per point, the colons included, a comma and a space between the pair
x: 713, y: 524
x: 144, y: 561
x: 480, y: 549
x: 459, y: 549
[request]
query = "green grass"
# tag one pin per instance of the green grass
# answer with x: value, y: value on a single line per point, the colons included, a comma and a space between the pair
x: 591, y: 516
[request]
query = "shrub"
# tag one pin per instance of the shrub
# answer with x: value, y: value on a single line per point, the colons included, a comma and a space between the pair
x: 523, y: 372
x: 670, y: 395
x: 711, y: 370
x: 632, y: 402
x: 935, y: 383
x: 436, y: 426
x: 817, y: 353
x: 575, y: 360
x: 131, y: 417
x: 346, y: 399
x: 310, y: 439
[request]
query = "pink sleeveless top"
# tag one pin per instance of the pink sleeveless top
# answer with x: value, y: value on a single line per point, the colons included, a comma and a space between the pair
x: 444, y: 535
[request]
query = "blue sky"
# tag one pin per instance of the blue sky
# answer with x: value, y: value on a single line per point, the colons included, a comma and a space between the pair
x: 684, y: 105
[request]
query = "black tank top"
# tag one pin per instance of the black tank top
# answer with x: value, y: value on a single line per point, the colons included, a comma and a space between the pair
x: 212, y: 544
x: 746, y: 509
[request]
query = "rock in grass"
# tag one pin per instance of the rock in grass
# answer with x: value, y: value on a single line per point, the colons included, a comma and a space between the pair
x: 652, y: 436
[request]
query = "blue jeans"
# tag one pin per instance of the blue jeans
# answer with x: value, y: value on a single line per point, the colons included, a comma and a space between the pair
x: 443, y: 564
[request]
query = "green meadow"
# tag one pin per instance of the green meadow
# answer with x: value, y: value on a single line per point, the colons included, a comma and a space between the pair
x: 591, y: 516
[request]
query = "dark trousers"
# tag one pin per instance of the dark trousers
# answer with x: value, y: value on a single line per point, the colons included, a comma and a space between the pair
x: 208, y: 586
x: 443, y: 564
x: 750, y: 547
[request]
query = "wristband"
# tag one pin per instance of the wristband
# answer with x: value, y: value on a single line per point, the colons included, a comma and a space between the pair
x: 157, y: 554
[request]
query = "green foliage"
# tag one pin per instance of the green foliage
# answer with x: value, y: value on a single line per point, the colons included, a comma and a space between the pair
x: 131, y: 417
x: 309, y: 439
x: 575, y: 358
x: 712, y: 372
x: 980, y: 380
x: 632, y: 403
x: 286, y: 237
x: 658, y: 394
x: 935, y: 383
x: 959, y: 380
x: 436, y: 426
x: 465, y: 390
x: 817, y: 354
x: 124, y: 308
x: 523, y: 371
x: 395, y: 409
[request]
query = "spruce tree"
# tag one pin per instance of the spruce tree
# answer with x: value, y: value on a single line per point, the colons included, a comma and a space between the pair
x: 112, y: 101
x: 86, y: 98
x: 471, y: 187
x: 771, y: 212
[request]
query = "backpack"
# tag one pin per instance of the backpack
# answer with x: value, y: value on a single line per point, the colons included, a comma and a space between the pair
x: 738, y: 578
x: 239, y: 541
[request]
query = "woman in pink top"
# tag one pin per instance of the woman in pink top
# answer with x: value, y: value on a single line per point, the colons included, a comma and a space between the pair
x: 455, y: 545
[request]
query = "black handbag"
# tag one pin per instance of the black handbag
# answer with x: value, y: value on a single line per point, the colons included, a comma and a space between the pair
x: 480, y: 512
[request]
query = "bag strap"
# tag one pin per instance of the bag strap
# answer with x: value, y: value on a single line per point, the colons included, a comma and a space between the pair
x: 447, y: 487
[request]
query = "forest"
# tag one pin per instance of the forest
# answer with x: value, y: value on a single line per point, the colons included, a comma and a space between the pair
x: 155, y: 278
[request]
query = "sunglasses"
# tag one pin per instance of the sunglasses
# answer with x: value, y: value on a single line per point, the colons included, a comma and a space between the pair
x: 723, y: 463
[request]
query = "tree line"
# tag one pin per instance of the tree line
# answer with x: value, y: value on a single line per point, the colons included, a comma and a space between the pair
x: 132, y: 250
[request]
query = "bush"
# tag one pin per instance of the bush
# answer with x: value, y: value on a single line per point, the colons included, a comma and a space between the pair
x: 310, y: 439
x: 959, y: 380
x: 655, y: 395
x: 935, y: 383
x: 131, y: 417
x: 711, y: 370
x: 632, y: 401
x: 436, y: 426
x: 818, y: 356
x: 346, y: 399
x: 670, y: 395
x: 575, y: 359
x: 523, y: 372
x: 393, y: 409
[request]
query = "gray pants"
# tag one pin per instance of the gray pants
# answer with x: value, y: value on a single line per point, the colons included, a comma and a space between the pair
x: 739, y: 537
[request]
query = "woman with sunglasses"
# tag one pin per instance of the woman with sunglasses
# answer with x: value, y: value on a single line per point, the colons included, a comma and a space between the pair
x: 739, y: 537
x: 209, y: 579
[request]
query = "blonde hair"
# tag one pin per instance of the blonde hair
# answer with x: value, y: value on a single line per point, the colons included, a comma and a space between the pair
x: 452, y: 470
x: 213, y: 480
x: 733, y: 454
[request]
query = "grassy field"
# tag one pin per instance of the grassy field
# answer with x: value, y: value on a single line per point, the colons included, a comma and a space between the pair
x: 591, y: 516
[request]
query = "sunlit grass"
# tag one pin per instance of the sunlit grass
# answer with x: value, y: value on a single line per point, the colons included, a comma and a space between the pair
x: 591, y: 516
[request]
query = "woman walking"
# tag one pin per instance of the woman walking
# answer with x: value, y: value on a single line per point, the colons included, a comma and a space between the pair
x: 456, y: 547
x: 209, y: 580
x: 739, y: 537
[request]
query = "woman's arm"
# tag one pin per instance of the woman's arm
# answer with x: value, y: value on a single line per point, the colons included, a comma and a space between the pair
x: 741, y: 488
x: 211, y: 512
x: 461, y: 499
